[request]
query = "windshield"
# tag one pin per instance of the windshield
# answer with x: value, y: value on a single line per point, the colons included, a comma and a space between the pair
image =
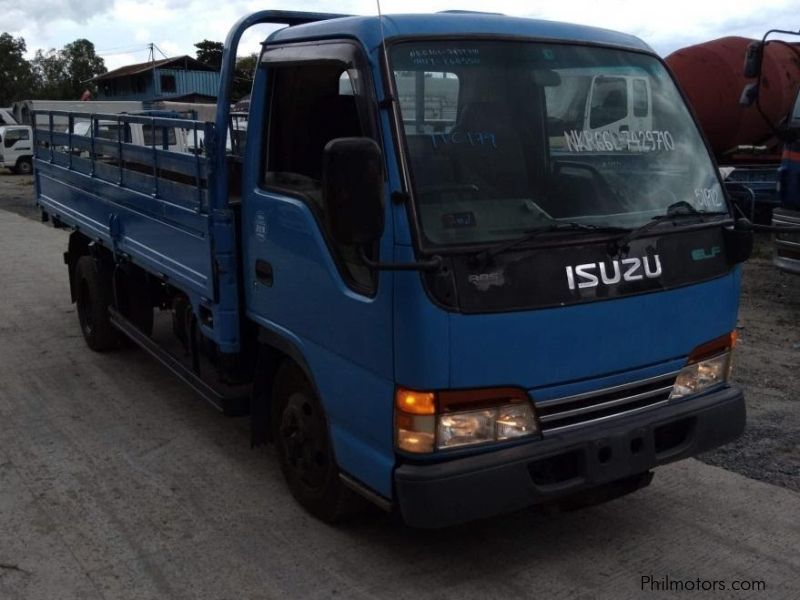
x: 504, y: 137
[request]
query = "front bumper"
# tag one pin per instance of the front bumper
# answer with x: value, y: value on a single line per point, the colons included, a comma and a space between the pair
x: 557, y: 467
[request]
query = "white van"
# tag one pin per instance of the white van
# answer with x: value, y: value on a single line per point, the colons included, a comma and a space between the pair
x: 16, y: 148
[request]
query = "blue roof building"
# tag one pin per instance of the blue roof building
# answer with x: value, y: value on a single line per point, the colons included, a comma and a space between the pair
x: 182, y: 79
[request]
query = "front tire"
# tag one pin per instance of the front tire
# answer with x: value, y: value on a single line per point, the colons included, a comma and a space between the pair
x: 24, y: 166
x: 93, y: 297
x: 304, y: 449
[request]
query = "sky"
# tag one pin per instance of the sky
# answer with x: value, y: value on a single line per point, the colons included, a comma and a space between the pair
x: 122, y: 29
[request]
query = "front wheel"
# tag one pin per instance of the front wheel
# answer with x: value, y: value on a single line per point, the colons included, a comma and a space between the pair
x: 24, y: 166
x: 304, y: 448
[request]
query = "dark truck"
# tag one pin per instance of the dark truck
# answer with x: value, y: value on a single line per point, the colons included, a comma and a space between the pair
x: 786, y: 129
x: 742, y: 138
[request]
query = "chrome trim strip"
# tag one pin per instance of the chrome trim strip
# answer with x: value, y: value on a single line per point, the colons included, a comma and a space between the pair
x: 595, y: 407
x: 359, y: 488
x: 547, y: 432
x: 604, y: 391
x: 784, y: 220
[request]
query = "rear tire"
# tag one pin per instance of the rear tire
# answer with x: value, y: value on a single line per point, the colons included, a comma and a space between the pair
x: 24, y: 166
x: 304, y: 449
x: 93, y: 297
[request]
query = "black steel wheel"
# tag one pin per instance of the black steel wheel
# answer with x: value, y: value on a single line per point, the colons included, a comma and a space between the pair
x: 304, y: 449
x: 92, y: 298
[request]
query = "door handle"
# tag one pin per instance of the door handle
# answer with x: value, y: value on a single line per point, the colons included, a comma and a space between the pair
x: 264, y: 272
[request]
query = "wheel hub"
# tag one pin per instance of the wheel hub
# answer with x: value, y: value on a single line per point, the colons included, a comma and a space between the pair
x: 303, y: 437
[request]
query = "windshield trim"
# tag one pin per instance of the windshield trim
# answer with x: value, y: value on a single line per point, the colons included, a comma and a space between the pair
x: 420, y: 242
x: 580, y: 237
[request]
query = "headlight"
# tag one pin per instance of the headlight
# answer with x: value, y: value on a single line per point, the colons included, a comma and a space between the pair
x: 709, y: 365
x: 428, y: 421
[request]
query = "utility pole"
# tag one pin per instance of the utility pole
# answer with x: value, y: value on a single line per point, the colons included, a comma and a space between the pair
x: 153, y: 67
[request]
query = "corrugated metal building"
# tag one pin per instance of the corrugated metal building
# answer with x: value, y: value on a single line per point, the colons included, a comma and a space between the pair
x: 182, y: 79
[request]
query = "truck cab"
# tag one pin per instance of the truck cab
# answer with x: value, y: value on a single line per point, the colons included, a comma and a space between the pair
x: 434, y: 306
x: 7, y: 117
x: 609, y: 105
x: 16, y: 148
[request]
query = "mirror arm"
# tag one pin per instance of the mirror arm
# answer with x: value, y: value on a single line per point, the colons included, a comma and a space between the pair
x: 431, y: 264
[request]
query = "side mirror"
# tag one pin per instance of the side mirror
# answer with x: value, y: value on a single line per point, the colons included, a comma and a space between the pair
x: 752, y: 59
x: 749, y: 95
x: 738, y: 241
x: 352, y: 188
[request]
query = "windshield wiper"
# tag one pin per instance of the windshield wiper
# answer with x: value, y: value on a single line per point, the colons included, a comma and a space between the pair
x: 675, y: 212
x: 530, y: 234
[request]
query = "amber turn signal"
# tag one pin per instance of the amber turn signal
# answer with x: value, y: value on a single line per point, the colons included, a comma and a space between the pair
x: 714, y: 347
x: 415, y: 403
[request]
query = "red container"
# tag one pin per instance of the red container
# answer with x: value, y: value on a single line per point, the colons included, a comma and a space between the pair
x: 712, y: 76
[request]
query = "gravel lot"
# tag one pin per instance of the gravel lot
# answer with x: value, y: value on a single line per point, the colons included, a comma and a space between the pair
x: 117, y: 482
x: 767, y: 365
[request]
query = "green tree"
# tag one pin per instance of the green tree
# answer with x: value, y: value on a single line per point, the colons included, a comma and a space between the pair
x: 65, y: 74
x: 51, y: 75
x: 210, y: 53
x: 243, y: 78
x: 82, y: 64
x: 16, y: 74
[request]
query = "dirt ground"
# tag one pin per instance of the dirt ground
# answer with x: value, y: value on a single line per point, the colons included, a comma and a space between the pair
x: 767, y: 361
x: 767, y: 365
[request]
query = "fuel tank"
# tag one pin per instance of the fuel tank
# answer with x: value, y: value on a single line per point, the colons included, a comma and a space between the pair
x: 712, y: 76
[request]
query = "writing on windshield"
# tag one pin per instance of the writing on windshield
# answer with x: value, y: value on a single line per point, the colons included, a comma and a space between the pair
x: 504, y: 137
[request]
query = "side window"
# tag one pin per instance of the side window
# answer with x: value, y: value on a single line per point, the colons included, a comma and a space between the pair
x: 640, y: 98
x: 168, y: 84
x: 147, y: 135
x: 428, y: 100
x: 609, y: 101
x: 111, y: 131
x: 311, y: 105
x: 15, y: 135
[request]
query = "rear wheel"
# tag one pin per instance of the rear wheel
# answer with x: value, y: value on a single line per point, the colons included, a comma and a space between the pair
x: 24, y: 166
x: 93, y: 297
x: 304, y: 448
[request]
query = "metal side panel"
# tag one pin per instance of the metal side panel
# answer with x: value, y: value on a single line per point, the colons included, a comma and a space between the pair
x: 162, y: 237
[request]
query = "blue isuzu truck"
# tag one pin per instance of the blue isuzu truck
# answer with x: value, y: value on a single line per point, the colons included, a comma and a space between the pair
x: 462, y: 264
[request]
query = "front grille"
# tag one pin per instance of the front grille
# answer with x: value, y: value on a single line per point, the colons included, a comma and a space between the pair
x: 600, y: 405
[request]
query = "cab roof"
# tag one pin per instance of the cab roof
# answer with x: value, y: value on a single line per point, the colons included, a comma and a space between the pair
x: 367, y: 29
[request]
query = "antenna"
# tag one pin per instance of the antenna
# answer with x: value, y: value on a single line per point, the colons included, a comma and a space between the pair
x: 383, y: 46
